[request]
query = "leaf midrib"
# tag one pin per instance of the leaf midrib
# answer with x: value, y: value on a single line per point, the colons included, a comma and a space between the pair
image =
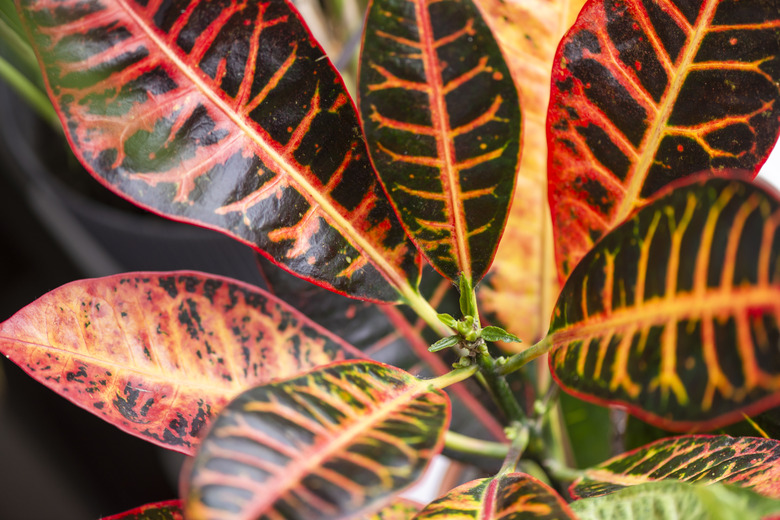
x: 387, y: 270
x: 664, y: 310
x: 441, y: 124
x: 632, y: 199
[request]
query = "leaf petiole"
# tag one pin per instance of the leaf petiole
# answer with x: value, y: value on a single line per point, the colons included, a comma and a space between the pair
x: 464, y: 444
x: 522, y: 358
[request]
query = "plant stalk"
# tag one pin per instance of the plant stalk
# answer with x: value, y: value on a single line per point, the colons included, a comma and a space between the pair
x: 498, y: 386
x: 522, y: 358
x: 455, y: 376
x: 424, y: 310
x: 464, y: 444
x: 520, y: 436
x: 32, y: 94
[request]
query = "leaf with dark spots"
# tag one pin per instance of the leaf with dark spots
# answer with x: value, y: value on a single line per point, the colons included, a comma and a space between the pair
x: 164, y: 387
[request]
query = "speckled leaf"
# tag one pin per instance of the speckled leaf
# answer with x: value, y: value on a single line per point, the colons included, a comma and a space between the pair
x: 649, y: 91
x: 227, y: 115
x: 442, y: 119
x: 674, y: 314
x: 748, y: 462
x: 515, y: 496
x: 673, y: 500
x: 520, y: 288
x: 169, y: 510
x: 325, y: 445
x: 159, y: 354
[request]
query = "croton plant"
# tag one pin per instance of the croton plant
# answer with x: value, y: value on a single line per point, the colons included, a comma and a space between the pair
x: 633, y: 201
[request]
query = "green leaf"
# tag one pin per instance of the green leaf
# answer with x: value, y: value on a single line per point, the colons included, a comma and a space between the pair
x: 674, y: 313
x: 400, y: 509
x: 673, y: 500
x: 491, y: 333
x: 442, y: 120
x: 448, y: 320
x: 749, y: 462
x: 159, y: 354
x: 468, y: 304
x: 327, y: 444
x: 449, y: 341
x: 515, y: 496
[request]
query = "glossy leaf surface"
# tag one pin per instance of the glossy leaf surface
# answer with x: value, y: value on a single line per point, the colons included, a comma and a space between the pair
x: 745, y: 461
x: 227, y: 115
x: 678, y: 500
x: 324, y: 445
x: 515, y: 496
x: 520, y: 289
x: 441, y: 116
x: 646, y: 92
x: 169, y: 510
x: 159, y: 354
x: 675, y: 313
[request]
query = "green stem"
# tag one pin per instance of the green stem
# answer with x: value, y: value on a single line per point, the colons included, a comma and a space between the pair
x: 561, y: 472
x: 499, y: 387
x: 522, y: 358
x: 18, y: 45
x: 457, y: 442
x: 32, y: 94
x: 424, y: 310
x: 452, y: 377
x: 520, y: 438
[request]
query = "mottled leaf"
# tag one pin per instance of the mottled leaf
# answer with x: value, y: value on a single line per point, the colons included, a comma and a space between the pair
x: 325, y: 445
x: 169, y: 510
x: 515, y: 496
x: 520, y: 289
x: 442, y: 119
x: 675, y: 313
x: 748, y: 462
x: 159, y: 354
x: 649, y: 91
x: 675, y: 501
x: 229, y: 116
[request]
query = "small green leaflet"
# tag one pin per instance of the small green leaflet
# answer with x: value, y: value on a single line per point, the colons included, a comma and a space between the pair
x: 492, y: 333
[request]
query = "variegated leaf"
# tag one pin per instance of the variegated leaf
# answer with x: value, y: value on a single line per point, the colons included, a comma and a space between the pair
x: 325, y: 445
x: 515, y: 496
x: 748, y: 462
x: 159, y: 354
x: 675, y: 313
x: 226, y: 115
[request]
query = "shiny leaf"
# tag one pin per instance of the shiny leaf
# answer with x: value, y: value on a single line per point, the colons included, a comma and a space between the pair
x: 324, y: 445
x: 675, y: 313
x: 159, y: 354
x: 442, y: 119
x: 704, y: 459
x: 675, y: 501
x: 646, y: 92
x: 226, y: 115
x: 515, y: 496
x: 520, y: 289
x: 169, y: 510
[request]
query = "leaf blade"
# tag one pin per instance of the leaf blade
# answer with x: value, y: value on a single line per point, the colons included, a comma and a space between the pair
x: 167, y: 510
x: 328, y: 437
x: 180, y: 111
x: 745, y: 461
x: 625, y: 118
x: 676, y: 329
x: 448, y: 159
x: 158, y: 354
x: 514, y: 496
